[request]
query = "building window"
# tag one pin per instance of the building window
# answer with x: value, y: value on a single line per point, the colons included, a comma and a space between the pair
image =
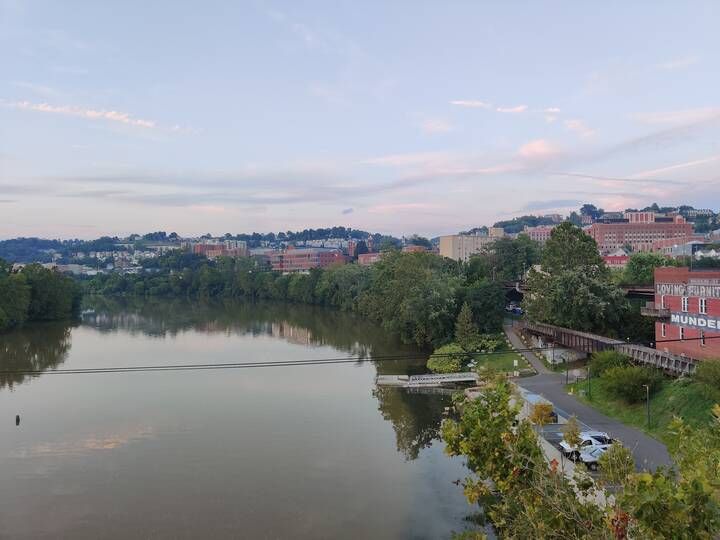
x: 682, y: 333
x: 662, y: 301
x: 685, y: 303
x: 662, y: 329
x: 702, y: 305
x: 702, y: 338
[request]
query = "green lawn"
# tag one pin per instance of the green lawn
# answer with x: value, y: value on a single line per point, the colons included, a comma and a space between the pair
x: 501, y: 361
x: 690, y: 400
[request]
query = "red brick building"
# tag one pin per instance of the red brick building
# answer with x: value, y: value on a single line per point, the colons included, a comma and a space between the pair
x: 688, y: 306
x: 366, y: 259
x: 639, y: 235
x: 226, y: 248
x: 302, y: 260
x: 540, y: 234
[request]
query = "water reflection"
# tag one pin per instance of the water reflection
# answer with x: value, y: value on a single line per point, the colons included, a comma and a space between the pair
x: 416, y: 417
x: 298, y: 324
x: 35, y: 347
x: 293, y: 452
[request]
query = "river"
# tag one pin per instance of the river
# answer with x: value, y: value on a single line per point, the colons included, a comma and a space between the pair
x: 283, y: 452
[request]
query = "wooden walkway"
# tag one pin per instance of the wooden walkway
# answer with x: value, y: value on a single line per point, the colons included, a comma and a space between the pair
x: 673, y: 364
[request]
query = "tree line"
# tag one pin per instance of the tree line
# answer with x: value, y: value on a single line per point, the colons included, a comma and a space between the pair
x: 414, y: 295
x: 36, y: 294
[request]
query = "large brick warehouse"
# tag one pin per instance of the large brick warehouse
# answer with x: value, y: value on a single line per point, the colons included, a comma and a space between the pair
x: 688, y: 305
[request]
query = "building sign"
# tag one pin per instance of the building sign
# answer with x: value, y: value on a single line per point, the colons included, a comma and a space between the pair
x: 700, y: 289
x: 695, y: 321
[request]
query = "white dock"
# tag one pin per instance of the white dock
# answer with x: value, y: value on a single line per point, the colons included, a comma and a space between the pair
x: 430, y: 379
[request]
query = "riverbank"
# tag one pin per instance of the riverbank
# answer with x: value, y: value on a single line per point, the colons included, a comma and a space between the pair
x: 690, y: 400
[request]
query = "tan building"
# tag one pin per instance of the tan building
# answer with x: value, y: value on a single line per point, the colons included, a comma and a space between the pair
x: 463, y: 246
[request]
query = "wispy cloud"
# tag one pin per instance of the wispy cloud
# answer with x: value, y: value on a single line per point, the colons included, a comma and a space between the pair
x: 471, y: 103
x: 435, y: 126
x: 628, y: 179
x: 512, y: 110
x: 81, y: 112
x: 538, y: 149
x: 677, y: 166
x: 552, y: 204
x: 686, y: 116
x: 402, y: 160
x: 579, y: 127
x: 678, y: 63
x: 401, y: 207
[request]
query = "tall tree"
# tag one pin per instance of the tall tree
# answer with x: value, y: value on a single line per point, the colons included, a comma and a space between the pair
x: 466, y: 334
x: 512, y: 257
x: 573, y: 288
x: 569, y: 248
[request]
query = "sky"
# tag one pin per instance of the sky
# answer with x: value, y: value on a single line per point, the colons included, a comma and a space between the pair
x: 393, y: 117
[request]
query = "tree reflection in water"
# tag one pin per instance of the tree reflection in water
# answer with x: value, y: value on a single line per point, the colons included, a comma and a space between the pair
x: 35, y: 347
x: 415, y: 418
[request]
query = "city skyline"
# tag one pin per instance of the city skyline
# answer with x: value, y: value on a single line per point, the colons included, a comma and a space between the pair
x: 267, y: 117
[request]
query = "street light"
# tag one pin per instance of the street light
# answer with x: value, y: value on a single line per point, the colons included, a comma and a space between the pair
x: 647, y: 400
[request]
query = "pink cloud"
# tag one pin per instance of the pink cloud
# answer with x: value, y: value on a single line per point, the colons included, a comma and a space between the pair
x: 538, y: 149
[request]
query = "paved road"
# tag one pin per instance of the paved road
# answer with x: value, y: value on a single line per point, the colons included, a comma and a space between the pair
x: 649, y: 453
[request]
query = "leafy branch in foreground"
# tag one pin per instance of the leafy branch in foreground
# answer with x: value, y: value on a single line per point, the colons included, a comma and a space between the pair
x: 525, y: 497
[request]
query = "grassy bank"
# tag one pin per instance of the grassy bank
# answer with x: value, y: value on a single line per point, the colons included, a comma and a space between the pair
x: 502, y: 361
x: 690, y: 400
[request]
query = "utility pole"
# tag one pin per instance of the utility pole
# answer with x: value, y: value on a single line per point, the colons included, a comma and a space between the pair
x: 647, y: 400
x: 589, y: 377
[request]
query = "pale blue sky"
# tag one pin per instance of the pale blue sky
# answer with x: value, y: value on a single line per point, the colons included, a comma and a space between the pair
x: 400, y: 117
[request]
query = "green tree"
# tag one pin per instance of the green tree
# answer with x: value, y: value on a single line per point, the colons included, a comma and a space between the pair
x: 413, y: 295
x: 512, y: 257
x: 575, y: 299
x: 569, y: 248
x: 487, y: 303
x: 14, y: 300
x: 466, y: 333
x: 640, y: 268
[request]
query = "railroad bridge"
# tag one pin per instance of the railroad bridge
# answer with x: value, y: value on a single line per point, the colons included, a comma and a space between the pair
x: 673, y: 364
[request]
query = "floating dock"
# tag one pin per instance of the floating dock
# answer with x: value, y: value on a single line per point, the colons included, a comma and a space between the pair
x: 427, y: 380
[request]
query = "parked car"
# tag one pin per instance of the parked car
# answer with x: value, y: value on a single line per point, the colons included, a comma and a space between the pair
x: 589, y: 441
x: 591, y: 458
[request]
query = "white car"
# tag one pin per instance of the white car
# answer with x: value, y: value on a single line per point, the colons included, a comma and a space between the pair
x: 589, y: 441
x: 591, y: 457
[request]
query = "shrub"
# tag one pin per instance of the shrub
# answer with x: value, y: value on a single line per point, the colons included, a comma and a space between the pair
x: 616, y: 464
x: 446, y: 359
x: 604, y: 360
x: 708, y: 372
x: 491, y: 342
x: 629, y: 382
x: 541, y: 414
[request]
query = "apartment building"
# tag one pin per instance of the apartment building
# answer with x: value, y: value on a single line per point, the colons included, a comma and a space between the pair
x: 463, y: 246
